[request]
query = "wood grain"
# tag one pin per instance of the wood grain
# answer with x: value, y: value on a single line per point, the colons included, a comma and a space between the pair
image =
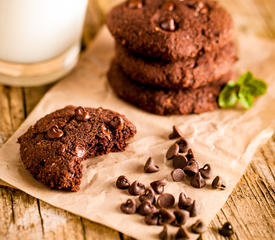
x: 250, y: 207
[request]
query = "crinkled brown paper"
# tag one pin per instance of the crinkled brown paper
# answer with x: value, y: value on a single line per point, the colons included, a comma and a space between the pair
x: 227, y: 139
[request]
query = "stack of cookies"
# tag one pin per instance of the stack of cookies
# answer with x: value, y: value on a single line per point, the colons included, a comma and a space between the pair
x: 172, y: 56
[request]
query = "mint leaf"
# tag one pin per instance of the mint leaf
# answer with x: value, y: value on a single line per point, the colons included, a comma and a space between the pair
x: 255, y: 87
x: 245, y: 98
x: 245, y: 77
x: 228, y: 96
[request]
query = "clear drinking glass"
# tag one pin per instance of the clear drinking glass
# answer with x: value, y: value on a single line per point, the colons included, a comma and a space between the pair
x: 39, y: 39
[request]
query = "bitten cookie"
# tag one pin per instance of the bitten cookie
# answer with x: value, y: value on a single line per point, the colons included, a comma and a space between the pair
x: 53, y: 149
x: 170, y: 29
x: 163, y: 101
x: 193, y: 72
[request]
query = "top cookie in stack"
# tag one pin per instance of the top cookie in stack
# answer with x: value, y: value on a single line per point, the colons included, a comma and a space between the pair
x: 172, y: 56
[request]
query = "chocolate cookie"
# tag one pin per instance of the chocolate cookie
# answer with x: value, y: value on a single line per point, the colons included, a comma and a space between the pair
x: 170, y: 29
x: 53, y: 149
x: 163, y: 101
x: 194, y: 72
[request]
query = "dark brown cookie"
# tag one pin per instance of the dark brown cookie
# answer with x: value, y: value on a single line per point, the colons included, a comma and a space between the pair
x: 53, y: 149
x: 194, y: 72
x: 162, y: 101
x: 152, y: 29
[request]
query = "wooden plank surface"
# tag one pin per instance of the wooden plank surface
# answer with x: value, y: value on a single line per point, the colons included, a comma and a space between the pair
x: 250, y: 207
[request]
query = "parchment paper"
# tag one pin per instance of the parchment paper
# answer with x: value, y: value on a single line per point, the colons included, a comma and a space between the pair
x: 227, y: 139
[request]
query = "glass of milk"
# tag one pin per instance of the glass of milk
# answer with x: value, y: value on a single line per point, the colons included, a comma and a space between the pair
x: 39, y: 39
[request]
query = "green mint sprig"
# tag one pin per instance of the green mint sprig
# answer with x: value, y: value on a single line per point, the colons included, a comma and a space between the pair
x: 243, y: 90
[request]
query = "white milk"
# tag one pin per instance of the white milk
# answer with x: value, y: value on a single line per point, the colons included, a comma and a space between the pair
x: 33, y: 31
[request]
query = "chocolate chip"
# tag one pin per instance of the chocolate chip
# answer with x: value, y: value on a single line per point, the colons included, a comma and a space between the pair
x: 176, y: 133
x: 226, y: 230
x: 81, y: 114
x: 54, y: 132
x: 122, y: 182
x: 150, y: 166
x: 136, y: 188
x: 149, y: 195
x: 168, y: 25
x: 191, y: 168
x: 184, y: 201
x: 152, y: 218
x: 205, y: 171
x: 172, y: 151
x: 177, y: 175
x: 183, y: 145
x: 179, y: 161
x: 163, y: 235
x: 201, y: 8
x: 104, y: 132
x: 182, y: 233
x: 129, y: 207
x: 181, y: 217
x: 165, y: 216
x: 158, y: 185
x: 198, y: 227
x: 194, y: 209
x: 218, y: 183
x: 116, y: 123
x: 189, y: 154
x: 200, y: 237
x: 135, y: 4
x: 168, y: 6
x: 146, y: 208
x: 80, y: 151
x: 197, y: 181
x: 166, y: 200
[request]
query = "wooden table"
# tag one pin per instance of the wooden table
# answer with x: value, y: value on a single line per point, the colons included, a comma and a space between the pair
x: 250, y: 207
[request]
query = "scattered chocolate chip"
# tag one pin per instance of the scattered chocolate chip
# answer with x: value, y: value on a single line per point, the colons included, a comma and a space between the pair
x: 146, y: 208
x: 150, y: 166
x: 218, y: 183
x: 168, y: 6
x: 163, y: 235
x: 116, y: 123
x: 136, y: 188
x: 80, y: 151
x: 122, y: 182
x: 165, y: 216
x: 172, y: 151
x: 198, y: 227
x: 226, y: 230
x: 182, y: 233
x: 168, y: 25
x: 152, y: 218
x: 135, y: 4
x: 81, y: 114
x: 197, y: 181
x: 129, y: 207
x: 179, y: 161
x: 194, y: 209
x: 166, y: 200
x: 54, y: 132
x: 191, y: 168
x: 205, y: 171
x: 149, y: 195
x: 158, y: 185
x: 183, y: 145
x: 181, y: 217
x: 201, y: 8
x: 177, y: 175
x: 104, y: 132
x: 184, y: 201
x: 176, y: 133
x: 189, y: 154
